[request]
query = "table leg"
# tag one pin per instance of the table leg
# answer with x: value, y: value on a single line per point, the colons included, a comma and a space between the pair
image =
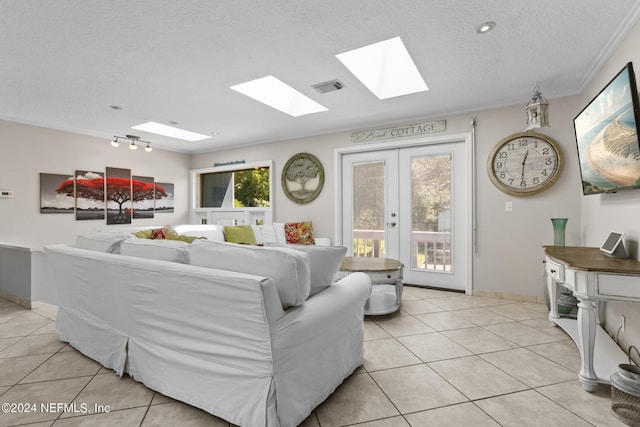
x: 398, y: 292
x: 553, y: 297
x: 587, y: 339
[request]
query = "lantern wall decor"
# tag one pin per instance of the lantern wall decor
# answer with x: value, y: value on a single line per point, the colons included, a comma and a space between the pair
x: 537, y: 111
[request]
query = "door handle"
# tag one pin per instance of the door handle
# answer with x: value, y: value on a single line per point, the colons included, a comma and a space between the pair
x: 391, y: 224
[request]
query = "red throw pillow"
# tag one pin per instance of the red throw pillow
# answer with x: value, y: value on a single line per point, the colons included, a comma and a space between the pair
x: 299, y: 233
x: 158, y: 233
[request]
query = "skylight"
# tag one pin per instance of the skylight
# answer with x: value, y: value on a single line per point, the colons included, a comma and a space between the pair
x: 385, y: 68
x: 276, y: 94
x: 173, y: 132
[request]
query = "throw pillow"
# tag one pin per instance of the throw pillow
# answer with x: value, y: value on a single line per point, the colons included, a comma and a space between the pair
x: 240, y: 234
x: 324, y: 262
x: 162, y: 233
x: 102, y: 241
x: 299, y: 233
x: 186, y: 239
x: 288, y: 268
x: 209, y: 232
x: 158, y: 233
x: 144, y: 234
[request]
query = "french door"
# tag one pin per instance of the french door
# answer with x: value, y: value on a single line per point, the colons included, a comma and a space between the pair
x: 412, y: 204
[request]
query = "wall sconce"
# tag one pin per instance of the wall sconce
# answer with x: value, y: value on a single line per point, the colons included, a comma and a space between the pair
x: 133, y: 138
x: 537, y: 111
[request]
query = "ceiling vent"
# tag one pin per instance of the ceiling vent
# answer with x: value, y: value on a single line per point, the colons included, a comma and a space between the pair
x: 329, y: 86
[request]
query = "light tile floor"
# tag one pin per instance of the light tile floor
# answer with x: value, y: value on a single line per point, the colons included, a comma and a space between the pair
x: 445, y: 359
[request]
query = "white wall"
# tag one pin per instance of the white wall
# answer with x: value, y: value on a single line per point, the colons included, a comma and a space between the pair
x: 26, y: 151
x: 509, y: 254
x: 604, y: 213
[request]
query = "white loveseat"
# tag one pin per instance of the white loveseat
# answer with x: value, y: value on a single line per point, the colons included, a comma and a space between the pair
x: 219, y: 340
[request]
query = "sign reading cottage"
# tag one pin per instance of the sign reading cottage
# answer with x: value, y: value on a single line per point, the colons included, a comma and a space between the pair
x: 399, y: 132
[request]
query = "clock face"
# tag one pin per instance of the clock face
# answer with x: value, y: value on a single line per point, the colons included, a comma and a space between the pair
x: 525, y: 163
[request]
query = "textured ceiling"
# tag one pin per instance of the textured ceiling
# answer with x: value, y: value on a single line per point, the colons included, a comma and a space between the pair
x: 65, y: 62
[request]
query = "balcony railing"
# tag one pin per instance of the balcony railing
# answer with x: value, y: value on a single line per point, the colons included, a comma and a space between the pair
x: 430, y: 250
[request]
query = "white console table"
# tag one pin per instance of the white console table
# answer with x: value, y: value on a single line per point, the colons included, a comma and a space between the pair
x: 593, y: 278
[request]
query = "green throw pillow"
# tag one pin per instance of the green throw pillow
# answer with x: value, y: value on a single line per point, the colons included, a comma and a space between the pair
x: 240, y: 234
x: 188, y: 239
x: 144, y: 234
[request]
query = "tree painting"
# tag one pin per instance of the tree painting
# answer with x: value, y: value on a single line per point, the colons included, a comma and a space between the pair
x: 300, y: 170
x: 50, y: 200
x: 119, y: 191
x: 165, y: 203
x: 90, y: 195
x: 143, y: 191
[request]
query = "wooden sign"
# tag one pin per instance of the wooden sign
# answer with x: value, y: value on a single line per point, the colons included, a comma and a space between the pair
x: 399, y: 132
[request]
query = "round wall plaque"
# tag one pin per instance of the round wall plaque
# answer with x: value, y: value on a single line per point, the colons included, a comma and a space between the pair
x: 302, y: 178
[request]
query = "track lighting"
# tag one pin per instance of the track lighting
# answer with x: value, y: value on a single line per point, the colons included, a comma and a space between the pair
x: 133, y: 139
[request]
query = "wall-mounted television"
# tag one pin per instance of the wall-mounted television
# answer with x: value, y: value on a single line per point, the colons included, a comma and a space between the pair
x: 607, y: 132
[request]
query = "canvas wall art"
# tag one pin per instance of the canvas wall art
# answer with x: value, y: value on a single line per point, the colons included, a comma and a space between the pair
x: 118, y: 196
x: 89, y: 193
x: 164, y: 200
x: 144, y: 193
x: 53, y: 198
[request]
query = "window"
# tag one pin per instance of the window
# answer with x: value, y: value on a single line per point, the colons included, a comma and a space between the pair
x: 238, y: 187
x: 247, y: 188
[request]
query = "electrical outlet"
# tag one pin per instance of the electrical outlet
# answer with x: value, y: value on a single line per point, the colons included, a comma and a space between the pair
x: 508, y: 206
x: 621, y: 323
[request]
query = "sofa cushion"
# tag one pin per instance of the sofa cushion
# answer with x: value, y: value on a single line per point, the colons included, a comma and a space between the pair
x: 289, y: 268
x: 209, y: 232
x: 324, y: 263
x: 160, y: 249
x: 102, y: 241
x: 239, y: 234
x: 278, y: 229
x: 299, y: 233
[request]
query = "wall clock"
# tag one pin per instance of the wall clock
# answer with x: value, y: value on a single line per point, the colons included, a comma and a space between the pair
x: 525, y: 163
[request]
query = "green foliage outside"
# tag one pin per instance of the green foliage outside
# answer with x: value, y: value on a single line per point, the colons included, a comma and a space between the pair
x: 251, y: 188
x: 431, y: 193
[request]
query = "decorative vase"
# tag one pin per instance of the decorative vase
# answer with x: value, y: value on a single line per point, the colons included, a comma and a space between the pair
x: 559, y: 224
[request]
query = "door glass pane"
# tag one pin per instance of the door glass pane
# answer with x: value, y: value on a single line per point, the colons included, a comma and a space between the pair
x: 431, y: 213
x: 368, y: 209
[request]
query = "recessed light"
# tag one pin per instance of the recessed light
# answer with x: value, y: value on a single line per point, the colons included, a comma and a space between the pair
x: 276, y: 94
x: 385, y: 68
x: 485, y: 27
x: 173, y: 132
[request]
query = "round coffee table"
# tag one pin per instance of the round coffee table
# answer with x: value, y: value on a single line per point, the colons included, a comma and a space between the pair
x: 386, y: 278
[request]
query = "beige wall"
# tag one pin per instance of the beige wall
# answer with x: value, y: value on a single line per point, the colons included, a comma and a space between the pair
x: 29, y: 150
x: 604, y: 213
x: 508, y: 256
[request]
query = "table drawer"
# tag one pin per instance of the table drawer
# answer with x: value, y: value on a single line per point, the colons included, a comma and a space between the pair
x: 555, y: 270
x: 618, y: 285
x: 386, y: 276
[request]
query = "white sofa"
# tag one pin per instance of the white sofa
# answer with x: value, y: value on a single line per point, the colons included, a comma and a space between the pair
x: 219, y: 340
